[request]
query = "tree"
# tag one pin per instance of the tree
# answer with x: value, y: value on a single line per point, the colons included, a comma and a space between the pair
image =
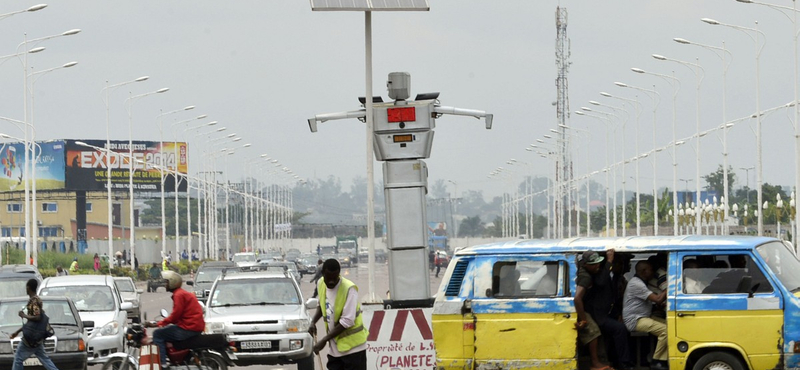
x: 471, y: 226
x: 715, y: 180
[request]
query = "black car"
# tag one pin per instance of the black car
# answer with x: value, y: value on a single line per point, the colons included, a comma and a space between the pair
x: 14, y: 277
x: 67, y: 348
x: 207, y: 273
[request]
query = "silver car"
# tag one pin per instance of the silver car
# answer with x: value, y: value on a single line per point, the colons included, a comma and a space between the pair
x: 97, y: 299
x: 129, y: 293
x: 264, y: 315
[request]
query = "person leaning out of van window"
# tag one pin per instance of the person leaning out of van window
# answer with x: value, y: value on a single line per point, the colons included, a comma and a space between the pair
x: 637, y: 312
x: 588, y: 332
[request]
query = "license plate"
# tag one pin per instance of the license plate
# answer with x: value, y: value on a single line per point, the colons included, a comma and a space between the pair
x: 33, y: 361
x: 257, y: 344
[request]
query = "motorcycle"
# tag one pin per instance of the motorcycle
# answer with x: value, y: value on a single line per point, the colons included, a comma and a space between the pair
x: 202, y: 352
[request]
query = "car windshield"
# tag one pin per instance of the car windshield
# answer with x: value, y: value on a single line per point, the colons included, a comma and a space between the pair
x: 251, y: 292
x: 13, y: 287
x: 209, y: 275
x: 124, y: 285
x: 244, y: 257
x: 58, y: 311
x: 782, y: 263
x: 87, y: 298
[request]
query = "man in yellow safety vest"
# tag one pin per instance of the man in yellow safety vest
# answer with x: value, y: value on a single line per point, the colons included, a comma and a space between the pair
x: 345, y: 331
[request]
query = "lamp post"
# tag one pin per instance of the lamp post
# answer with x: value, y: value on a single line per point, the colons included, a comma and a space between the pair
x: 698, y: 80
x: 132, y: 165
x: 637, y: 108
x: 609, y: 127
x: 108, y: 157
x: 588, y: 222
x: 201, y: 186
x: 35, y: 76
x: 28, y: 147
x: 455, y: 208
x: 652, y: 93
x: 720, y: 52
x: 675, y: 84
x: 178, y: 180
x: 795, y: 63
x: 162, y: 164
x: 758, y: 48
x: 603, y: 120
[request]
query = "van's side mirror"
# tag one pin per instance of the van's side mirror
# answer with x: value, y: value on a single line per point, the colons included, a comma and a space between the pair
x: 126, y: 306
x: 312, y: 303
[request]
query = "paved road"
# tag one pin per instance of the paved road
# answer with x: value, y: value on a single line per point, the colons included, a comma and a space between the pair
x: 152, y: 303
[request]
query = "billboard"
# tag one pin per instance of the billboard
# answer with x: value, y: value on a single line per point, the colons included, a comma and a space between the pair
x: 49, y: 166
x: 86, y: 166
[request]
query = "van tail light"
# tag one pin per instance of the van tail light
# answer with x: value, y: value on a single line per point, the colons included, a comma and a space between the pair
x: 469, y: 326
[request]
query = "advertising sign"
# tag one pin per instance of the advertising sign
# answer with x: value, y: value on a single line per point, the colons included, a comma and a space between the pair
x: 49, y: 157
x: 87, y: 165
x: 400, y: 339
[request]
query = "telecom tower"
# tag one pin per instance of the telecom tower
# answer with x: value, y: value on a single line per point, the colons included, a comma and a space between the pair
x: 563, y: 171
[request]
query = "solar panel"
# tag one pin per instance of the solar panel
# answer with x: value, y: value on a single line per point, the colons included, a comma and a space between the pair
x: 369, y: 5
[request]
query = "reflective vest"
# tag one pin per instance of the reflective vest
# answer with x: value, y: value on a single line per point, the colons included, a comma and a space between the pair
x: 164, y: 265
x: 353, y: 336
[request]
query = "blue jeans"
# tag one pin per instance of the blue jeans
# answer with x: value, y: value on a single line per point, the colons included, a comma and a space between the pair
x: 23, y: 352
x: 170, y: 333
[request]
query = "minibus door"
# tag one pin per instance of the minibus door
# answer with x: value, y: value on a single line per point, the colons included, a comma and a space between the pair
x: 524, y: 311
x: 712, y: 305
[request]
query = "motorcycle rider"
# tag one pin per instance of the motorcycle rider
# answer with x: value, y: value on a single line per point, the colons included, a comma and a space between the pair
x: 185, y: 321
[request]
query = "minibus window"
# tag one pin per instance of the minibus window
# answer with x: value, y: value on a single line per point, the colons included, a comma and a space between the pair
x: 523, y: 279
x: 722, y: 274
x: 782, y: 262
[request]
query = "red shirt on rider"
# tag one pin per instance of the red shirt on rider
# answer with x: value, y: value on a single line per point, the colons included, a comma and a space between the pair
x: 186, y: 312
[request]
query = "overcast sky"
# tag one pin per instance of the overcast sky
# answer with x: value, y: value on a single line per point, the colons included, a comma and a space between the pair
x: 261, y: 68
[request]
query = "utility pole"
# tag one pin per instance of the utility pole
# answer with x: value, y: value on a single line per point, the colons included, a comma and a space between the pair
x: 564, y: 168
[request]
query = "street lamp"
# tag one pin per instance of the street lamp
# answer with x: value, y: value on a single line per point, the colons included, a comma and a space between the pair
x: 652, y: 93
x: 698, y: 80
x: 758, y: 48
x: 132, y: 164
x: 606, y: 169
x: 614, y: 164
x: 795, y: 33
x: 637, y: 108
x: 34, y: 214
x: 162, y: 163
x: 720, y: 53
x: 178, y: 181
x: 675, y: 84
x: 31, y: 9
x: 108, y: 157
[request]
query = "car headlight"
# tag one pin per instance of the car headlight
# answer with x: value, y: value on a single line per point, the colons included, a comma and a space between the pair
x: 297, y: 326
x: 111, y: 328
x: 5, y: 347
x: 214, y: 327
x: 71, y: 345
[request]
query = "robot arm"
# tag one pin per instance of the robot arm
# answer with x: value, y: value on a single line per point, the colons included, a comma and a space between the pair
x: 465, y: 112
x: 319, y: 118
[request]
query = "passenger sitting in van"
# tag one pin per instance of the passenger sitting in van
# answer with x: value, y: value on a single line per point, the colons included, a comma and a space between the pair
x: 658, y: 283
x: 509, y: 281
x: 637, y: 312
x: 594, y: 299
x: 692, y: 283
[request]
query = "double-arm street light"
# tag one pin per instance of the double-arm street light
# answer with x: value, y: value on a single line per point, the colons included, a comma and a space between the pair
x: 653, y: 94
x: 720, y: 52
x: 753, y: 33
x: 30, y: 9
x: 675, y: 84
x: 698, y: 80
x: 611, y: 126
x: 132, y: 165
x: 795, y: 32
x: 608, y: 123
x: 35, y: 76
x: 178, y: 181
x: 109, y: 156
x: 162, y: 163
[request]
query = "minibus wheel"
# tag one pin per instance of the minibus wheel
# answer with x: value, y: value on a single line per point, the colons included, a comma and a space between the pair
x: 718, y: 361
